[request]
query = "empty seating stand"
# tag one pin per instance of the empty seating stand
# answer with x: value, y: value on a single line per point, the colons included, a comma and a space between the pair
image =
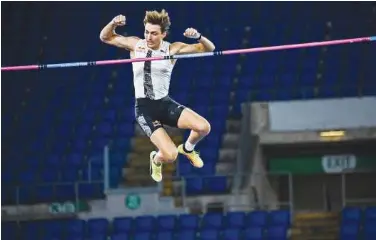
x: 57, y: 121
x: 253, y: 225
x: 357, y: 223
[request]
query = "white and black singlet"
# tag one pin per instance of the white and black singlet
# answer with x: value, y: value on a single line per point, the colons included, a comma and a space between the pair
x: 151, y: 80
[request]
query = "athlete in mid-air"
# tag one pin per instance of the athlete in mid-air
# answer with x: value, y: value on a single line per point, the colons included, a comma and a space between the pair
x: 154, y: 108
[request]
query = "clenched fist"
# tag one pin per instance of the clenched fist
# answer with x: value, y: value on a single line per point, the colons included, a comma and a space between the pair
x: 192, y: 33
x: 119, y: 20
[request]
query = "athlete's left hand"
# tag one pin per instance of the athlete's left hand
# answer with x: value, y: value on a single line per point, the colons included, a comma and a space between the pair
x: 192, y: 33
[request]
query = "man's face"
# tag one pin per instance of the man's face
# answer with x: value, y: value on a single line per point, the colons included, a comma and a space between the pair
x: 153, y: 35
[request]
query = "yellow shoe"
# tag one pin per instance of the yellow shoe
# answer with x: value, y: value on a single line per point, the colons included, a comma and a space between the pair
x: 155, y: 169
x: 194, y: 157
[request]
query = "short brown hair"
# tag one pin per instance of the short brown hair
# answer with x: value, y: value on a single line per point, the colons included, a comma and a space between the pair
x: 158, y: 18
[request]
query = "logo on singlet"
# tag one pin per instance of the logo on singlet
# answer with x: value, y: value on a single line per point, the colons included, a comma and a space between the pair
x: 156, y: 123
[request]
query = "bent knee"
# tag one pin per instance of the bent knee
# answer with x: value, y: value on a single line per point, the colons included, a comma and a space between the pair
x: 171, y: 155
x: 203, y: 127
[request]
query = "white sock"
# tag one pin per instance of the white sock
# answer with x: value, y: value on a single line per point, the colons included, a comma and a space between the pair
x: 157, y: 156
x: 189, y: 146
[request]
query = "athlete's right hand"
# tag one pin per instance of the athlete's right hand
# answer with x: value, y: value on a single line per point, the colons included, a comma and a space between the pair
x: 119, y: 20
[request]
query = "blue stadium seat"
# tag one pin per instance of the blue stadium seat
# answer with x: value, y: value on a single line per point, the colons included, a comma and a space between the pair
x: 30, y: 229
x: 209, y: 235
x: 181, y: 97
x: 74, y: 159
x: 218, y: 125
x: 216, y: 184
x: 45, y: 193
x: 201, y: 110
x: 27, y: 176
x: 186, y: 235
x: 349, y: 231
x: 351, y: 215
x: 70, y: 175
x: 122, y: 225
x: 204, y: 84
x: 257, y: 219
x: 370, y: 213
x: 308, y: 79
x: 145, y: 223
x: 280, y: 218
x: 253, y: 233
x: 95, y: 173
x: 231, y: 233
x: 194, y: 185
x: 99, y: 237
x: 165, y: 236
x: 224, y: 84
x: 143, y: 236
x: 75, y: 228
x: 166, y: 223
x: 185, y: 168
x: 220, y: 111
x: 121, y: 236
x: 90, y: 190
x: 235, y: 219
x: 212, y: 221
x: 370, y: 229
x: 122, y: 143
x: 126, y: 129
x: 277, y: 233
x: 109, y: 115
x: 188, y: 222
x: 53, y: 228
x: 202, y: 98
x: 207, y: 170
x: 65, y: 192
x: 26, y: 195
x: 209, y: 153
x: 9, y: 230
x: 97, y: 227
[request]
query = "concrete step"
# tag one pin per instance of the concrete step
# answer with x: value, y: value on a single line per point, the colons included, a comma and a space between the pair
x: 314, y: 235
x: 167, y: 168
x: 138, y: 159
x: 316, y: 215
x: 231, y: 140
x: 143, y: 148
x: 144, y: 169
x: 316, y: 230
x: 233, y: 126
x: 135, y: 180
x: 315, y: 226
x: 317, y: 223
x: 228, y: 155
x: 141, y: 160
x: 225, y: 168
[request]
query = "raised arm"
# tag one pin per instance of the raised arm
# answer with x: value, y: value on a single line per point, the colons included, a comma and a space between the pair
x: 109, y: 36
x: 203, y: 45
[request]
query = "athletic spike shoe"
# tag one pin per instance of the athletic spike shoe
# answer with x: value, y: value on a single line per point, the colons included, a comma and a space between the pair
x: 155, y: 169
x: 194, y: 157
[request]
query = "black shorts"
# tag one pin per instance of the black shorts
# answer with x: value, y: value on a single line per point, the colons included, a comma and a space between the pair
x: 153, y: 114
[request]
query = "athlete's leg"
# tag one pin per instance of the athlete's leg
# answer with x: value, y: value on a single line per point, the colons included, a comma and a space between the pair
x: 179, y: 116
x: 154, y: 130
x: 199, y: 126
x: 167, y: 149
x: 167, y: 153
